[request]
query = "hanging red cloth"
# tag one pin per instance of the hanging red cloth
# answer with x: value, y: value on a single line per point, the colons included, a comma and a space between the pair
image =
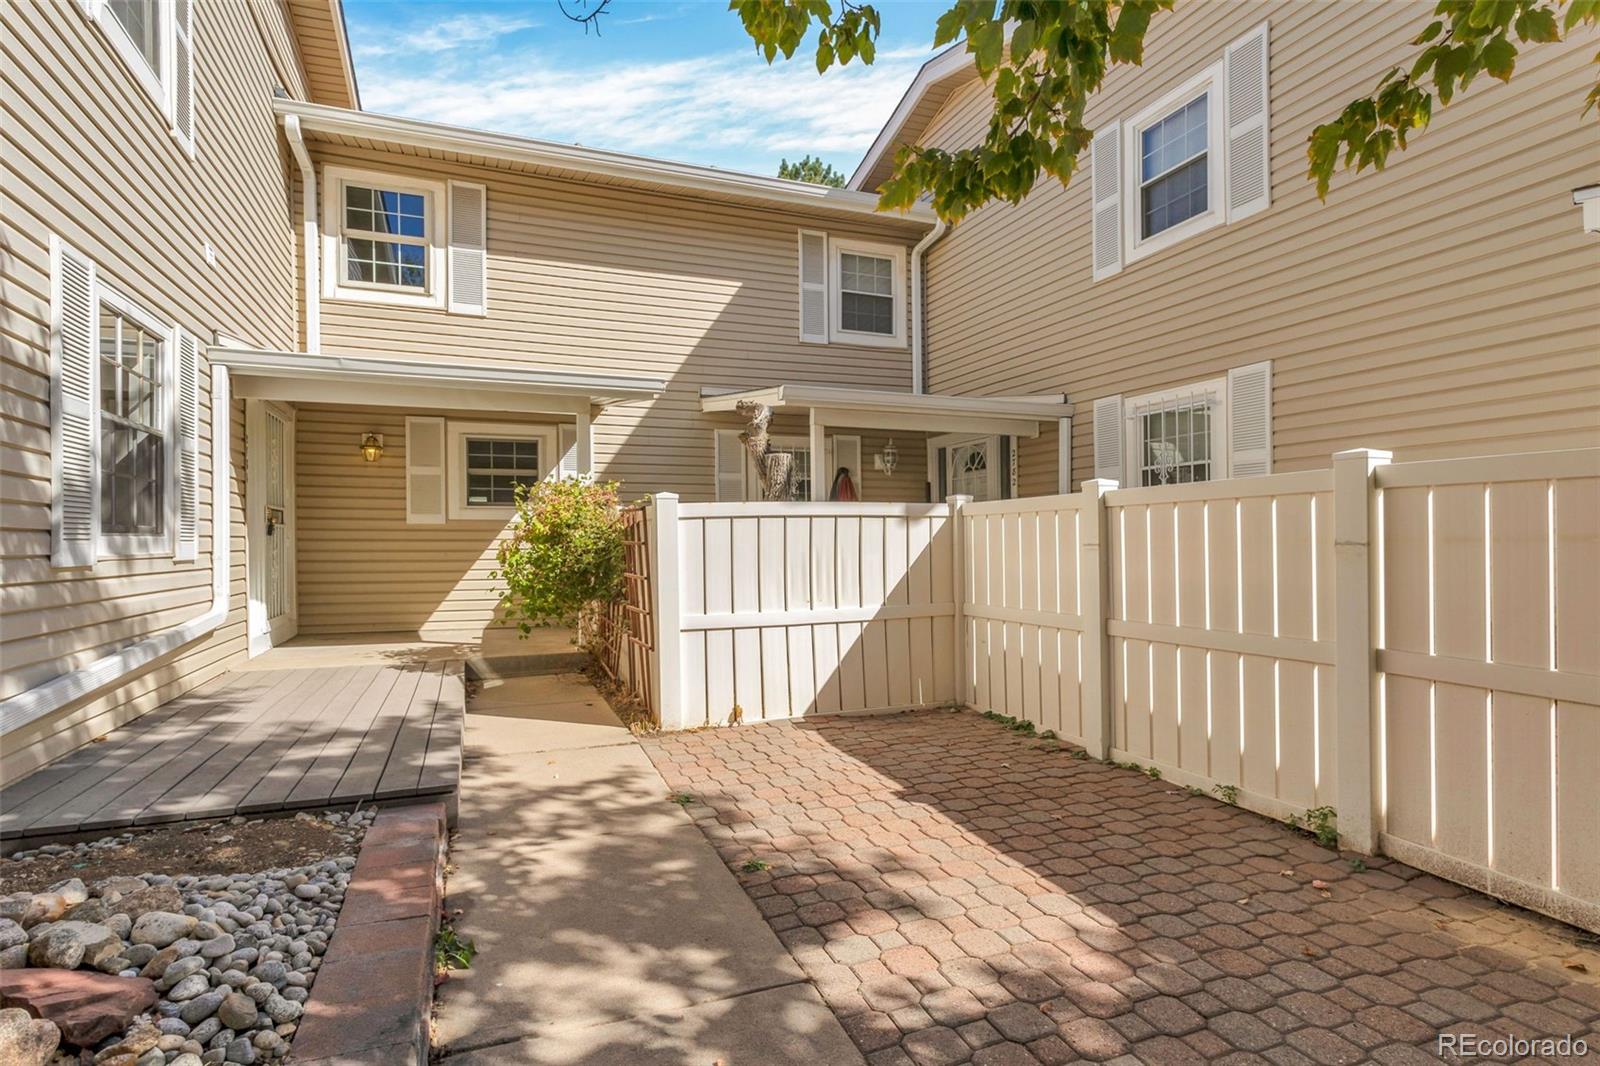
x: 844, y: 489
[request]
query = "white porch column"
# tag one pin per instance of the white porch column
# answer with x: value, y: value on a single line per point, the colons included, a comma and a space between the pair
x: 585, y: 441
x: 1064, y: 455
x: 821, y: 476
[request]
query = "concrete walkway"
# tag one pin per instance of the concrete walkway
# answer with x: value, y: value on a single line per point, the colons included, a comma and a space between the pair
x: 608, y: 930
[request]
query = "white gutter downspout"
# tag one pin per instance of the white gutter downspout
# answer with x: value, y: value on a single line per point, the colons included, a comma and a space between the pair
x: 110, y: 669
x: 918, y: 385
x: 308, y: 230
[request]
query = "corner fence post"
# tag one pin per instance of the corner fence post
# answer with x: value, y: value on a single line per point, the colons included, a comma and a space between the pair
x: 1096, y: 647
x: 666, y: 666
x: 958, y: 555
x: 1357, y: 592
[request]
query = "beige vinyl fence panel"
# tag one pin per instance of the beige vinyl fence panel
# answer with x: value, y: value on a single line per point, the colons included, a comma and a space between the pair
x: 1220, y: 635
x: 1022, y: 572
x: 1490, y: 658
x: 792, y: 609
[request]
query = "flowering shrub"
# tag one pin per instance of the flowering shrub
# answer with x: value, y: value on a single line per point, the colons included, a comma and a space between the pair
x: 562, y: 553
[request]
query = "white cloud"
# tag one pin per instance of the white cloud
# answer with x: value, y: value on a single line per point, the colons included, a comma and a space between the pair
x: 728, y: 110
x: 445, y: 35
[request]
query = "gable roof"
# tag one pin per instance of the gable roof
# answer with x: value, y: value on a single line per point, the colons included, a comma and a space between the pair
x: 319, y: 34
x: 938, y: 80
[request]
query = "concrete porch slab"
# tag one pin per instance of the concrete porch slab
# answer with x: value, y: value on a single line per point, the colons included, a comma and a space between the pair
x: 607, y: 927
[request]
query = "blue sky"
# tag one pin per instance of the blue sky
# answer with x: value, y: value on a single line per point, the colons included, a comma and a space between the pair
x: 679, y: 80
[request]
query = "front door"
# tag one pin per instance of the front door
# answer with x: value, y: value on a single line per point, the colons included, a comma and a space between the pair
x: 967, y: 467
x: 270, y: 494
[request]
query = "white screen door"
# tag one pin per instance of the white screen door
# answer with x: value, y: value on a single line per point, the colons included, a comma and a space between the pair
x: 270, y: 458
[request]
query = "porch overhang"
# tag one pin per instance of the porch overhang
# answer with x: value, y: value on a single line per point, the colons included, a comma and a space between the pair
x: 387, y: 382
x: 1018, y: 416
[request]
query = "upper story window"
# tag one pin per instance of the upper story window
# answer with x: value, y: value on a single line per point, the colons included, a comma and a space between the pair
x: 1173, y: 159
x: 384, y: 238
x: 1195, y: 158
x: 135, y: 428
x: 156, y: 40
x: 851, y: 292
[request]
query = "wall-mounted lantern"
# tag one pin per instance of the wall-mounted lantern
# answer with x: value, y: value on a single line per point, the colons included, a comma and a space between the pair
x: 372, y: 447
x: 887, y: 459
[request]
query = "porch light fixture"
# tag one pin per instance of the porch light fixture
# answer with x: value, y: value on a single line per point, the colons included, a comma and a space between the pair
x: 888, y: 459
x: 372, y: 447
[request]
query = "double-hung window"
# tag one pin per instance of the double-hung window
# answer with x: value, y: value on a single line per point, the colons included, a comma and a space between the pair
x: 1175, y: 436
x: 489, y: 461
x: 867, y: 293
x: 1174, y: 177
x: 384, y: 239
x: 135, y: 429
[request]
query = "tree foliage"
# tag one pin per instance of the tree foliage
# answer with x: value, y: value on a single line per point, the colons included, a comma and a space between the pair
x: 1043, y: 59
x: 813, y: 170
x: 1465, y: 39
x: 563, y: 552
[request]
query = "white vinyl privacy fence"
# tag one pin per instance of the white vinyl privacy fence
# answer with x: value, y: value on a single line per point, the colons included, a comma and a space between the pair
x: 1414, y: 645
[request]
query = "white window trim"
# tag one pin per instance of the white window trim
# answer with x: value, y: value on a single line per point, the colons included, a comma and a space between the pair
x: 1212, y: 80
x: 437, y: 239
x: 456, y: 434
x: 1215, y: 390
x: 157, y: 83
x: 127, y: 545
x: 837, y: 334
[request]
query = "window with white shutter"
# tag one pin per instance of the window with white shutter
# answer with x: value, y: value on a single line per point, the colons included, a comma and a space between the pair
x: 155, y: 39
x: 186, y: 546
x: 1194, y: 159
x: 74, y: 407
x: 1199, y: 431
x: 1108, y: 439
x: 183, y: 96
x: 425, y: 464
x: 469, y: 287
x: 384, y: 240
x: 813, y: 287
x: 567, y: 444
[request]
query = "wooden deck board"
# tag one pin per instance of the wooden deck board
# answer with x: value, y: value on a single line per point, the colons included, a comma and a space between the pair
x: 254, y: 742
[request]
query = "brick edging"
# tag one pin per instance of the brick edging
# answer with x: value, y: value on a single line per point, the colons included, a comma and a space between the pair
x: 373, y: 993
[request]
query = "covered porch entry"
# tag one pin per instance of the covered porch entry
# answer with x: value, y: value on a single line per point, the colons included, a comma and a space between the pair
x: 377, y: 490
x: 897, y: 447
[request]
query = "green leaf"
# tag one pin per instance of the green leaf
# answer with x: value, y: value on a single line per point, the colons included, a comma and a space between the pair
x: 986, y: 46
x: 1499, y: 58
x: 1538, y: 25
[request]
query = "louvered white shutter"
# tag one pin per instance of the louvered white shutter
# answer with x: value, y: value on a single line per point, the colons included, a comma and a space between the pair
x: 186, y: 545
x: 1108, y: 438
x: 469, y: 284
x: 1250, y: 420
x: 1105, y: 155
x: 844, y: 450
x: 425, y: 464
x: 183, y: 95
x: 1249, y: 181
x: 813, y: 286
x: 567, y: 436
x: 74, y: 407
x: 88, y: 8
x: 729, y: 466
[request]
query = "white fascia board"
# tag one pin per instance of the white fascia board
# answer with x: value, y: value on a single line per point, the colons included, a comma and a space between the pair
x: 687, y: 176
x: 836, y: 398
x: 951, y: 61
x: 255, y: 362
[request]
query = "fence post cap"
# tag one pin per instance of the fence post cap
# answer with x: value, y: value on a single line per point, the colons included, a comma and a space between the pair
x: 1370, y: 455
x: 1099, y: 486
x: 673, y: 496
x: 958, y: 500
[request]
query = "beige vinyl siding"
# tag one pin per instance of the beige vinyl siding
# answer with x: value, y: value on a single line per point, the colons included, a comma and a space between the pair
x: 89, y: 157
x: 1444, y: 307
x: 624, y: 282
x: 361, y: 568
x: 320, y: 56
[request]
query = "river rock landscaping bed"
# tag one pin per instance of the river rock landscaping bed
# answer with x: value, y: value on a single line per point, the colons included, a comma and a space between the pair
x: 200, y: 963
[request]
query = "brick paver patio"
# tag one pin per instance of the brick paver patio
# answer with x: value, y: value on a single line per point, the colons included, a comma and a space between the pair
x: 959, y: 893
